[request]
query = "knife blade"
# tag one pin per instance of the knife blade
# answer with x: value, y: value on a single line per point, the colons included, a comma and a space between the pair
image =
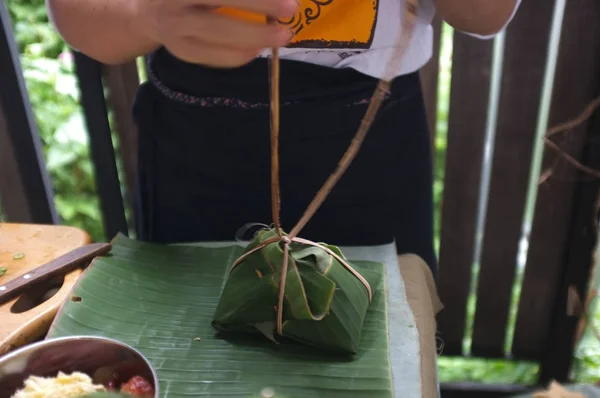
x: 58, y: 266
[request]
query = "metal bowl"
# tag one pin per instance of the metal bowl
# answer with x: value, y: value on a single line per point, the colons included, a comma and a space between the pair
x: 100, y: 358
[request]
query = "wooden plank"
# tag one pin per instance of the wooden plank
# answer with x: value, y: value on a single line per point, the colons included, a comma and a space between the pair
x: 577, y: 266
x: 429, y: 79
x: 24, y: 182
x: 28, y: 316
x: 525, y: 44
x: 122, y: 82
x: 577, y: 81
x: 477, y: 390
x: 101, y: 146
x: 466, y: 125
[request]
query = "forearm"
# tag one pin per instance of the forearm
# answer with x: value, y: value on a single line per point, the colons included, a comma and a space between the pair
x: 483, y: 17
x: 106, y: 30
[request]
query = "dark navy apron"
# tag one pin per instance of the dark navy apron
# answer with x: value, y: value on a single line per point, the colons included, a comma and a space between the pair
x: 204, y: 155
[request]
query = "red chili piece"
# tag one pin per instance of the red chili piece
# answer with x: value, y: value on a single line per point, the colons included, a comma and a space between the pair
x: 138, y: 387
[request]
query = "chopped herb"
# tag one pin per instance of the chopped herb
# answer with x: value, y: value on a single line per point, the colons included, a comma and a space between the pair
x: 3, y: 270
x: 18, y: 256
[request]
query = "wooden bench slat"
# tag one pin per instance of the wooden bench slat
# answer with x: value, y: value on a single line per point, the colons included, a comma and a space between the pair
x: 577, y: 83
x: 469, y: 99
x: 525, y: 44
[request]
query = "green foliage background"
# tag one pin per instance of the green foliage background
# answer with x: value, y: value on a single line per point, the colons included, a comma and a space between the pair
x: 54, y: 96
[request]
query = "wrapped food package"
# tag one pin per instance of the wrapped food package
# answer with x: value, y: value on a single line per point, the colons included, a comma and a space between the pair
x: 325, y: 299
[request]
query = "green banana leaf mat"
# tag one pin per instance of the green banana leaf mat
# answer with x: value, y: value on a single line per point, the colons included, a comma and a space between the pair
x: 161, y: 300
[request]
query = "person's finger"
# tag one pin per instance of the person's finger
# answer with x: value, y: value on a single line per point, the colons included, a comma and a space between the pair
x: 220, y: 30
x: 273, y: 8
x: 194, y: 51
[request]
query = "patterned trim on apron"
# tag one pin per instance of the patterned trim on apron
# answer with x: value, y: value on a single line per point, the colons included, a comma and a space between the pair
x: 211, y: 102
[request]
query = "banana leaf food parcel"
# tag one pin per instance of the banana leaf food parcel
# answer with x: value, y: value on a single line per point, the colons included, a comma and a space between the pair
x: 325, y: 300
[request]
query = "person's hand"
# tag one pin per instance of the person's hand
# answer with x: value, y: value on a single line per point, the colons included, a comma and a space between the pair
x: 193, y: 31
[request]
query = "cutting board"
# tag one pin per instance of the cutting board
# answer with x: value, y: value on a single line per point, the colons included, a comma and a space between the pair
x: 24, y: 247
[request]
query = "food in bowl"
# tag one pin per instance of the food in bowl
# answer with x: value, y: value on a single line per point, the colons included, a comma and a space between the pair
x: 75, y: 385
x: 77, y: 366
x: 78, y: 384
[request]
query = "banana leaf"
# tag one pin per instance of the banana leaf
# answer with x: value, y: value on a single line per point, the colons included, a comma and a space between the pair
x: 162, y: 299
x: 325, y: 304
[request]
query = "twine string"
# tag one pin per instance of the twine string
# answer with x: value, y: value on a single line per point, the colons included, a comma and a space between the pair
x: 274, y: 107
x: 382, y: 88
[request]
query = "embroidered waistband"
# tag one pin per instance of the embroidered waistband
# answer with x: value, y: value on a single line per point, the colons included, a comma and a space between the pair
x: 211, y: 102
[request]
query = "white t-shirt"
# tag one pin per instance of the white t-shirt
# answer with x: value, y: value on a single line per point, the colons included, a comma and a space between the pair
x: 366, y: 37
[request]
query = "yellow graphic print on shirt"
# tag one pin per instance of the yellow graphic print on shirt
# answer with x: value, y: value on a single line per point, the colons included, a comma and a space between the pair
x: 328, y: 23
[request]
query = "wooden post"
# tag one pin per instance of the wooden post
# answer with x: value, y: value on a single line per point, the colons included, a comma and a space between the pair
x: 25, y: 187
x: 101, y: 146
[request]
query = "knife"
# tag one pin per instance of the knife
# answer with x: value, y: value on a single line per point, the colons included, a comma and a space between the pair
x: 58, y: 266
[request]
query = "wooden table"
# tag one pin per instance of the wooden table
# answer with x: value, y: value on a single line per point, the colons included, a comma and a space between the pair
x: 27, y: 318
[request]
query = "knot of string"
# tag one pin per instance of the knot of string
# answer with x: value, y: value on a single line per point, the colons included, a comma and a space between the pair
x: 382, y: 88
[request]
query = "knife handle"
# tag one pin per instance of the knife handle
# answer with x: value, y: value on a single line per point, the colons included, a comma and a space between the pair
x: 58, y: 266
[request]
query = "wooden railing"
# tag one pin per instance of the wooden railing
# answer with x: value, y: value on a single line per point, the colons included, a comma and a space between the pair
x: 504, y: 93
x: 562, y: 232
